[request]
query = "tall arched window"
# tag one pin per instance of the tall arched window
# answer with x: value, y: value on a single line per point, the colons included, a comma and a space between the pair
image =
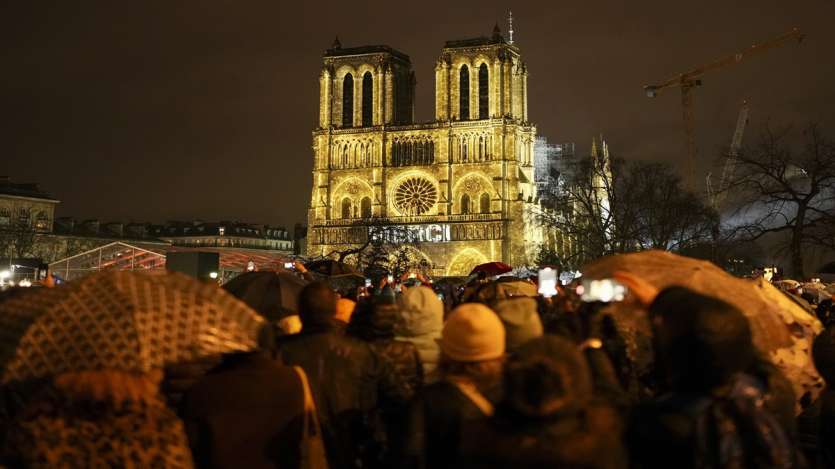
x: 464, y: 153
x: 431, y: 152
x: 464, y: 93
x: 348, y: 101
x: 367, y: 99
x: 484, y: 203
x: 480, y: 148
x: 365, y: 207
x: 346, y: 208
x: 483, y: 92
x: 465, y: 204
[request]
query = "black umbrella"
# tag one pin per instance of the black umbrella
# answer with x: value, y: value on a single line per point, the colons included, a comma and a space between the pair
x: 273, y: 295
x: 329, y: 267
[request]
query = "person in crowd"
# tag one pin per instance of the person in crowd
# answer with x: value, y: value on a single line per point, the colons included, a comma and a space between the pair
x: 472, y: 352
x: 247, y: 412
x: 373, y: 322
x: 344, y: 375
x: 712, y: 413
x: 548, y: 415
x: 521, y: 320
x: 819, y: 437
x: 421, y: 322
x: 104, y: 418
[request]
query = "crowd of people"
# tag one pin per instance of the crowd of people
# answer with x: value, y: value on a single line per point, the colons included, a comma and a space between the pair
x: 408, y: 374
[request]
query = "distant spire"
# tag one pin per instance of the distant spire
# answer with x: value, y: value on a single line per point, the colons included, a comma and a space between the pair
x: 336, y: 44
x: 510, y: 26
x: 497, y: 33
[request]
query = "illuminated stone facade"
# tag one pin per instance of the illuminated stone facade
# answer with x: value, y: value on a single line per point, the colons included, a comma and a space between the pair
x: 463, y: 182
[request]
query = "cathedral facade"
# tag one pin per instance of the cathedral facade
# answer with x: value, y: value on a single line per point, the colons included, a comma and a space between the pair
x: 462, y: 183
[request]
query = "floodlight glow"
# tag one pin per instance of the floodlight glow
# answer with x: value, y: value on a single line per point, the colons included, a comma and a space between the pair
x: 213, y: 275
x: 4, y: 274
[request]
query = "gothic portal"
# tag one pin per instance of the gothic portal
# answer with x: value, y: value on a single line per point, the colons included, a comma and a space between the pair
x: 463, y: 182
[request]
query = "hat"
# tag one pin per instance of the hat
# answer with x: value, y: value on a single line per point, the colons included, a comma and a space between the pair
x: 473, y: 333
x: 422, y: 312
x: 520, y: 319
x: 344, y: 309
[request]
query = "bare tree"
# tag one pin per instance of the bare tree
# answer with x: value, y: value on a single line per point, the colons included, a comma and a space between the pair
x: 778, y: 188
x: 382, y: 247
x: 18, y: 238
x: 609, y: 208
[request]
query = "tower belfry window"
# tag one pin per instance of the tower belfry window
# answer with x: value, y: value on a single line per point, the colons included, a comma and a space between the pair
x: 483, y: 92
x: 348, y: 101
x: 367, y: 99
x: 464, y: 93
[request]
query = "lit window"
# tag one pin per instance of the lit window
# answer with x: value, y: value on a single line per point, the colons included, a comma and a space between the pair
x: 221, y: 231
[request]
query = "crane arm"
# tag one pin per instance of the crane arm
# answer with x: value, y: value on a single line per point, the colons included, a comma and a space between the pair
x: 697, y: 72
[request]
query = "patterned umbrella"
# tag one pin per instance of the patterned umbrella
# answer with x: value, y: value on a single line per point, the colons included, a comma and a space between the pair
x: 273, y: 295
x: 131, y: 321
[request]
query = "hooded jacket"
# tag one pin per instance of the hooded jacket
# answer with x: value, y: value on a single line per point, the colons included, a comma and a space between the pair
x: 421, y: 322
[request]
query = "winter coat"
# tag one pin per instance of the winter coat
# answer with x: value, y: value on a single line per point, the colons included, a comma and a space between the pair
x: 374, y: 323
x: 245, y: 413
x: 344, y: 375
x: 437, y: 418
x: 587, y: 440
x: 704, y: 431
x: 421, y: 322
x: 54, y: 432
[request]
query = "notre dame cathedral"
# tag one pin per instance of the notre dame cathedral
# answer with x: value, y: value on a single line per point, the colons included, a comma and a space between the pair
x: 463, y: 183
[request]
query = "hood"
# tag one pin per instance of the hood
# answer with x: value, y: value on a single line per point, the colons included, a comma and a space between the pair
x: 422, y: 313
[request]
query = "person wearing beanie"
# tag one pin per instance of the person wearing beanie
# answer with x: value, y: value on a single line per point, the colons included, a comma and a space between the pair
x: 548, y: 415
x: 421, y: 321
x: 521, y: 320
x: 472, y: 347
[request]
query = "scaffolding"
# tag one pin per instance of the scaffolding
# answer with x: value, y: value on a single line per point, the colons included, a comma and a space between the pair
x: 114, y: 256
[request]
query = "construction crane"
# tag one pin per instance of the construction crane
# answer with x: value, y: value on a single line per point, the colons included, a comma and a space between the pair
x: 717, y: 196
x: 689, y: 80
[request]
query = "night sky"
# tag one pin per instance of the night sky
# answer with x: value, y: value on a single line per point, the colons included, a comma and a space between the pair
x: 163, y: 110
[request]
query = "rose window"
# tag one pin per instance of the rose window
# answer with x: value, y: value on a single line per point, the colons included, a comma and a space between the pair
x: 415, y: 196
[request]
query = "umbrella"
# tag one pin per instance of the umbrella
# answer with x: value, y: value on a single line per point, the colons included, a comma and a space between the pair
x: 273, y: 295
x: 129, y: 321
x: 329, y: 267
x: 492, y: 268
x: 345, y: 282
x: 781, y: 328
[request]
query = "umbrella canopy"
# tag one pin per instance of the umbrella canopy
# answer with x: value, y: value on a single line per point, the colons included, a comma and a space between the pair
x: 329, y: 267
x: 782, y: 329
x: 273, y: 295
x: 345, y: 282
x: 492, y: 268
x: 121, y: 320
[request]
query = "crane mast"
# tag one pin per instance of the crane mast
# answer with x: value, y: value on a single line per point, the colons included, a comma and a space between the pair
x: 691, y: 79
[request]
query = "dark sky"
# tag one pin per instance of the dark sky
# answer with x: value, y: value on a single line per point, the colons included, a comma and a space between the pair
x: 163, y: 109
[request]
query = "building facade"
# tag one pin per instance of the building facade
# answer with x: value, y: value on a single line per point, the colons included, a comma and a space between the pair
x: 25, y: 206
x: 462, y: 183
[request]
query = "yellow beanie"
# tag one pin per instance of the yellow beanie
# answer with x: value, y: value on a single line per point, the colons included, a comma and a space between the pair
x: 472, y: 333
x: 345, y: 309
